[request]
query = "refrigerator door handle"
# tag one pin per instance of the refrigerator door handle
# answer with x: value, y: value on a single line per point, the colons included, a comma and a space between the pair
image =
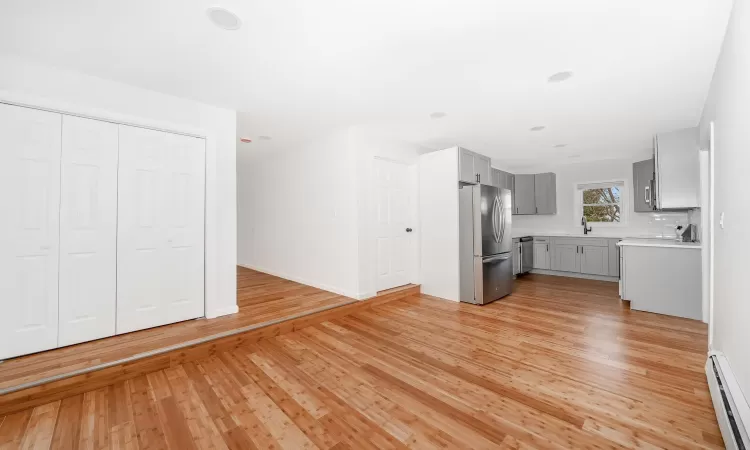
x: 495, y: 258
x: 496, y: 219
x: 501, y: 214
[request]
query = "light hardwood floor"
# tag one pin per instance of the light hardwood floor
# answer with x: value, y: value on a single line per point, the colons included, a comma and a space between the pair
x: 559, y: 364
x: 260, y: 297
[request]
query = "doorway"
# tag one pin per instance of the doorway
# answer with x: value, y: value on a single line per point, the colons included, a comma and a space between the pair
x: 395, y: 221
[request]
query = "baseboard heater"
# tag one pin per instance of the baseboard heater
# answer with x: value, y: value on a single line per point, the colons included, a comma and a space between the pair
x: 731, y: 408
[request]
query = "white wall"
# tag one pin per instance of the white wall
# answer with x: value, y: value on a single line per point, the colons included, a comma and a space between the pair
x: 568, y: 219
x: 297, y: 209
x: 31, y: 83
x: 438, y: 211
x: 306, y: 210
x: 728, y: 105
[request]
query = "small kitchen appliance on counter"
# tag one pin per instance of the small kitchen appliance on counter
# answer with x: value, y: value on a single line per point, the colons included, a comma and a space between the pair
x: 689, y: 233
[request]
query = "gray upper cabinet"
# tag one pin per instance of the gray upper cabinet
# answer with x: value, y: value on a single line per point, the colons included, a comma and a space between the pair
x: 525, y: 199
x: 545, y: 193
x: 482, y: 168
x: 473, y: 168
x: 677, y: 171
x: 565, y: 258
x: 594, y: 260
x: 502, y: 179
x: 466, y: 166
x: 643, y: 186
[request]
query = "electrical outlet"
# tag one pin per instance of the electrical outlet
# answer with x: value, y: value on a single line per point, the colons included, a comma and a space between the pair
x: 721, y: 220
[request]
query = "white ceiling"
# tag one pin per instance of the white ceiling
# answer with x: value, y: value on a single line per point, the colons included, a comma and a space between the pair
x: 299, y: 66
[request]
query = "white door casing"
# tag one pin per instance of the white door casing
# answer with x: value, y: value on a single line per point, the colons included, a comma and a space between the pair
x: 160, y: 250
x: 29, y: 229
x: 88, y: 230
x: 393, y: 206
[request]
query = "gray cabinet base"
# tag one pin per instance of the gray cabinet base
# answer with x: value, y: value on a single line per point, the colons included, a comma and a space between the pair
x: 585, y: 276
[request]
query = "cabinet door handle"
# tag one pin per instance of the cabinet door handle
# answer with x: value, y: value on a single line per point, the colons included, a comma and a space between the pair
x: 646, y: 195
x: 548, y: 247
x: 477, y: 178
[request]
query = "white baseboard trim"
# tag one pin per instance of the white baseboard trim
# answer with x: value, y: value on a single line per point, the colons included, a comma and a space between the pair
x: 574, y: 275
x: 314, y: 284
x: 233, y: 309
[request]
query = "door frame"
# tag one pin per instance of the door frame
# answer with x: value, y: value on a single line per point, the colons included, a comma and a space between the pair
x: 76, y: 110
x: 414, y: 241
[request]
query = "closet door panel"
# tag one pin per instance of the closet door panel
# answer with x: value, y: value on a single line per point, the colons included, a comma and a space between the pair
x: 88, y: 230
x: 141, y: 234
x: 29, y: 229
x: 160, y: 229
x: 185, y: 174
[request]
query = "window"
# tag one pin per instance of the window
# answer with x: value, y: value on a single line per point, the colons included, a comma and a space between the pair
x: 602, y: 202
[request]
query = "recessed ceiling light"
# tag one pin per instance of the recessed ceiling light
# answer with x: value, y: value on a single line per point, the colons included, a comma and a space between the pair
x: 537, y: 128
x: 574, y: 156
x: 224, y: 19
x: 438, y: 115
x: 559, y: 76
x: 246, y: 140
x: 560, y: 145
x: 264, y: 138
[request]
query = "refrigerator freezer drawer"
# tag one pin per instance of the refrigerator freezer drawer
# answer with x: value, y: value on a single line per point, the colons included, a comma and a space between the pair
x: 497, y: 278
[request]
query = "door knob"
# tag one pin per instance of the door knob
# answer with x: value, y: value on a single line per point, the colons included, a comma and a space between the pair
x: 408, y: 230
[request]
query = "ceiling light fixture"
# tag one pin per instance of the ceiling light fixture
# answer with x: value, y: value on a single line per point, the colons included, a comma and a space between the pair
x: 223, y: 18
x: 246, y: 140
x: 438, y: 115
x: 559, y: 76
x: 574, y: 156
x: 560, y: 145
x: 537, y: 128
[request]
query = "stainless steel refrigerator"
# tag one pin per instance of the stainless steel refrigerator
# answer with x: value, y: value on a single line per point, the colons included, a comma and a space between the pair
x: 485, y: 243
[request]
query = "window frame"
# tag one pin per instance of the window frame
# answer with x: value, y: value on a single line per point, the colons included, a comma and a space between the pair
x: 578, y: 189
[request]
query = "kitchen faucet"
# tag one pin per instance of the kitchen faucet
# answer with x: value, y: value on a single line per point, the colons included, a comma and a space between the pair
x: 584, y: 223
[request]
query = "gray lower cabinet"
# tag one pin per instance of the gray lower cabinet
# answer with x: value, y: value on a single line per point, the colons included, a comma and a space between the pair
x: 643, y: 186
x: 565, y: 258
x: 594, y: 260
x: 663, y: 280
x: 590, y: 256
x: 525, y: 201
x: 545, y: 193
x: 541, y: 255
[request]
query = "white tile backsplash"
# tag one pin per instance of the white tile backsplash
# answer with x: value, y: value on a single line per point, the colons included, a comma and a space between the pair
x: 662, y: 224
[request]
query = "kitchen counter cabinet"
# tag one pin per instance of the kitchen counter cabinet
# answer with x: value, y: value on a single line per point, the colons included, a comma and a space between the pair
x: 664, y: 280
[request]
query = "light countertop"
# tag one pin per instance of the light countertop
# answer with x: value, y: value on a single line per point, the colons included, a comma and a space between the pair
x: 608, y: 234
x: 663, y: 243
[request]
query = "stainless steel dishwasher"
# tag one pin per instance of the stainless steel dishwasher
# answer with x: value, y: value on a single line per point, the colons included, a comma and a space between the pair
x: 527, y: 254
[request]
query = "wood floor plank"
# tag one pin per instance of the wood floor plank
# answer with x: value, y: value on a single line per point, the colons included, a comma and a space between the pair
x: 559, y: 364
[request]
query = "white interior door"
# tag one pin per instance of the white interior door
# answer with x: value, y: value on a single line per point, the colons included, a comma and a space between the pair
x: 185, y: 171
x: 29, y: 229
x: 393, y: 216
x: 88, y: 230
x: 160, y: 254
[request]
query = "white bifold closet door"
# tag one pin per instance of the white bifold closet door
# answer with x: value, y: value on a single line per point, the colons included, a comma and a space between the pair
x: 29, y: 229
x: 160, y: 250
x: 88, y: 230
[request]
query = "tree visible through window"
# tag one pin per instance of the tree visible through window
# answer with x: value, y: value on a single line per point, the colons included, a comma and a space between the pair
x: 602, y: 204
